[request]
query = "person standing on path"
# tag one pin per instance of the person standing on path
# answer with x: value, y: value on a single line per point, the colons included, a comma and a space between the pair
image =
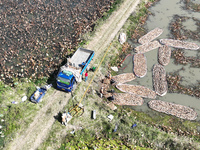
x: 86, y: 76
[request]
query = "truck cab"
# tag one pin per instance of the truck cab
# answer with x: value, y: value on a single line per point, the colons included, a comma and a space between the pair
x: 71, y: 73
x: 65, y: 82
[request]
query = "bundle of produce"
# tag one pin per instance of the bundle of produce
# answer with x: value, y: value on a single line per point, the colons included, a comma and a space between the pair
x: 180, y: 44
x: 127, y: 99
x: 122, y: 78
x: 138, y: 90
x: 164, y: 54
x: 140, y: 65
x: 147, y: 47
x: 159, y: 80
x: 177, y: 110
x: 150, y: 36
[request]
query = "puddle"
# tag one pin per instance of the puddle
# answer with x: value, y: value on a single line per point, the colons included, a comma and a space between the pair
x: 195, y: 1
x: 190, y: 24
x: 163, y: 13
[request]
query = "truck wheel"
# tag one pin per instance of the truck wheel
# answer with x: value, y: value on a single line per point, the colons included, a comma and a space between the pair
x: 74, y: 86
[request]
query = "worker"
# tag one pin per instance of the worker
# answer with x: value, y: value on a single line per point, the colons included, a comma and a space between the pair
x: 86, y: 76
x: 109, y: 76
x: 112, y: 98
x: 101, y: 92
x: 112, y: 91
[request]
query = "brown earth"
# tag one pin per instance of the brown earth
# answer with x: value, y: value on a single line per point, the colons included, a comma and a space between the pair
x: 33, y: 136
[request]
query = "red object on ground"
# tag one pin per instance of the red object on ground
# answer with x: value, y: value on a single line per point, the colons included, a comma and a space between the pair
x: 86, y: 74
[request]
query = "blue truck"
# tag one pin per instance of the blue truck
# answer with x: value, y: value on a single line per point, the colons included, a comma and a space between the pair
x: 72, y: 71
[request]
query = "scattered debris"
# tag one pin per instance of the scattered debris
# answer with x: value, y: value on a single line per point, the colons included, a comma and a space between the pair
x: 151, y: 35
x: 116, y: 126
x: 72, y: 132
x: 134, y: 125
x: 112, y: 106
x: 177, y: 110
x: 14, y: 102
x: 114, y: 69
x: 110, y: 117
x: 94, y: 114
x: 122, y: 38
x: 24, y: 98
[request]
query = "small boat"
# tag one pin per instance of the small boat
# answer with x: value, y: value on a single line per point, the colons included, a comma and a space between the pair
x: 140, y: 65
x: 122, y: 78
x: 147, y: 47
x: 177, y: 110
x: 150, y: 36
x: 159, y: 80
x: 127, y: 99
x: 164, y: 54
x: 138, y: 90
x: 39, y: 93
x: 180, y: 44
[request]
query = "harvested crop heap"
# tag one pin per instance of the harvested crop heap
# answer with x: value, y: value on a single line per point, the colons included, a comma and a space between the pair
x: 122, y: 78
x: 159, y: 80
x: 173, y: 109
x: 140, y: 65
x: 138, y: 90
x: 180, y: 44
x: 164, y: 54
x: 127, y: 99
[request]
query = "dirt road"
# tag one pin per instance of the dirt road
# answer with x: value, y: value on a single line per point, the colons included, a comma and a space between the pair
x: 35, y: 134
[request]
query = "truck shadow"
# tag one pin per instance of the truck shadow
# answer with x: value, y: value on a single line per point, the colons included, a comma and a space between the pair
x: 58, y: 117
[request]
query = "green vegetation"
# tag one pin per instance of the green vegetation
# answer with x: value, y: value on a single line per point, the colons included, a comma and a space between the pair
x: 81, y: 141
x: 17, y: 116
x: 114, y: 6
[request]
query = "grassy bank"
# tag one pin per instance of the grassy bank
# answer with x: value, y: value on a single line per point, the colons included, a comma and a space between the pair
x: 15, y: 114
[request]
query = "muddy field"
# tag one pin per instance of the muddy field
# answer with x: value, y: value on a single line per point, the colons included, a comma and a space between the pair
x: 36, y: 36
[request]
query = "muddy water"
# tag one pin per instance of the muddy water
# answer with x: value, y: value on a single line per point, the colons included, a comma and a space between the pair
x: 163, y: 13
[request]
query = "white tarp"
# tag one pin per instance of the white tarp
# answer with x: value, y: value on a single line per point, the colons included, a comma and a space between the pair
x: 122, y: 38
x: 75, y: 72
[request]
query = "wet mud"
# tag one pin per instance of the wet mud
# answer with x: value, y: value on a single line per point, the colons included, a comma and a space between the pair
x: 36, y: 36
